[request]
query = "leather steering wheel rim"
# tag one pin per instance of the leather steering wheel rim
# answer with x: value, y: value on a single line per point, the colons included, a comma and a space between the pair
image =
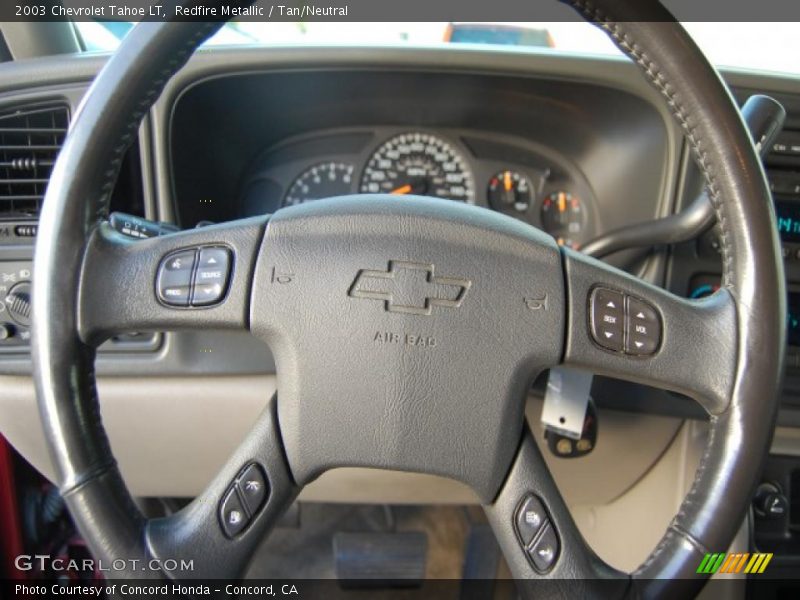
x: 740, y: 394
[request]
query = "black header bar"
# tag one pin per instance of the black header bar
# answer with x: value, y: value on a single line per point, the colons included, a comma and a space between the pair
x: 373, y: 10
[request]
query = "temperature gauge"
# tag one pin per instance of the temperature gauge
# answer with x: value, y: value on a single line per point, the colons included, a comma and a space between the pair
x: 563, y: 217
x: 510, y: 190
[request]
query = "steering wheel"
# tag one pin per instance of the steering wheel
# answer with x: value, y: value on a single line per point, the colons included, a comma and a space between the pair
x: 406, y: 333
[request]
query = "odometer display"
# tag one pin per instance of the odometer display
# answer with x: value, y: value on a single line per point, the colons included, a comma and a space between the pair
x: 420, y: 164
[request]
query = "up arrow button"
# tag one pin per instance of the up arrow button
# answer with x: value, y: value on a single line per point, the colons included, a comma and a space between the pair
x: 642, y: 328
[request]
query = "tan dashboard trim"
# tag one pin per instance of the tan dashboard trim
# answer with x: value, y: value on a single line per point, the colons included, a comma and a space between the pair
x: 622, y: 495
x: 171, y: 434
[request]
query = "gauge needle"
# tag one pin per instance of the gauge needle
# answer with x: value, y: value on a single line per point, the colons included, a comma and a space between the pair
x: 507, y: 180
x: 562, y: 202
x: 404, y: 189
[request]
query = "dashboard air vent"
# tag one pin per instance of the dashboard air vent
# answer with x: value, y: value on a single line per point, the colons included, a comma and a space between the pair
x: 30, y: 138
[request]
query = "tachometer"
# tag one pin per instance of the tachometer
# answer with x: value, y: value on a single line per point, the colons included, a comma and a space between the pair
x: 418, y: 163
x: 323, y: 180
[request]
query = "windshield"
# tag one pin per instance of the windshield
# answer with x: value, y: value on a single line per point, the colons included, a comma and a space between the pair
x: 755, y: 46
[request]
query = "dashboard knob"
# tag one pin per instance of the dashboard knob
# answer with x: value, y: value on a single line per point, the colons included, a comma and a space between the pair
x: 770, y: 503
x: 18, y: 303
x: 6, y: 331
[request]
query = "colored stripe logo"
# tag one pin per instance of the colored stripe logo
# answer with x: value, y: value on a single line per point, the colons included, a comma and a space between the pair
x: 742, y: 562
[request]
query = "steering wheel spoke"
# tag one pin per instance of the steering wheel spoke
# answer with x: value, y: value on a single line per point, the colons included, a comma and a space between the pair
x: 192, y: 279
x: 623, y: 327
x: 538, y: 536
x: 220, y: 530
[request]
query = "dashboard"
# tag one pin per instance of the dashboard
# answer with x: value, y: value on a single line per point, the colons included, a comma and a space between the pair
x: 567, y: 157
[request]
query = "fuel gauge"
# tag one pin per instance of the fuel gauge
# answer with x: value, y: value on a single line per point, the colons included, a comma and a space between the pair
x: 563, y: 217
x: 510, y: 190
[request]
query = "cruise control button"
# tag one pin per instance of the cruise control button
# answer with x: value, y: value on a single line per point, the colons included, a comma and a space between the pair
x: 530, y: 519
x: 253, y: 488
x: 642, y: 328
x: 232, y: 514
x: 211, y: 279
x: 544, y: 551
x: 607, y: 316
x: 175, y: 278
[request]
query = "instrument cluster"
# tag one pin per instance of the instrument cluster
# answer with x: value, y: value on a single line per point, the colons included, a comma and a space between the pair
x: 510, y: 176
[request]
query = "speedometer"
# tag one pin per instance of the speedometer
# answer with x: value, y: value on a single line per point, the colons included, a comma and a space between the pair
x: 324, y: 180
x: 418, y: 163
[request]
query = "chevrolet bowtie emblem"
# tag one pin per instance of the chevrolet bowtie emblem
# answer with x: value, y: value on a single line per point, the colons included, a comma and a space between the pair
x: 410, y: 288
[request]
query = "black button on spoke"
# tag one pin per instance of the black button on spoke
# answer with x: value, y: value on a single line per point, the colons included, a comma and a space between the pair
x: 530, y: 519
x: 642, y: 328
x: 536, y: 533
x: 253, y: 488
x: 197, y: 276
x: 607, y: 318
x: 622, y: 323
x: 544, y: 551
x: 232, y: 514
x: 245, y: 497
x: 175, y: 277
x: 211, y: 280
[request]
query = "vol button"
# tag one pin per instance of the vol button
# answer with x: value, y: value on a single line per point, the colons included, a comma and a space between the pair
x: 643, y: 327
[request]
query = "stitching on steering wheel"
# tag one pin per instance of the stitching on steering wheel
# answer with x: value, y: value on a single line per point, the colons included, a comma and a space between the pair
x: 109, y: 463
x: 145, y: 104
x: 101, y: 212
x: 628, y: 45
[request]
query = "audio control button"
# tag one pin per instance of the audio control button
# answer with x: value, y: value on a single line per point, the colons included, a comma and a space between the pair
x: 175, y: 277
x: 643, y: 328
x: 607, y: 314
x: 211, y: 279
